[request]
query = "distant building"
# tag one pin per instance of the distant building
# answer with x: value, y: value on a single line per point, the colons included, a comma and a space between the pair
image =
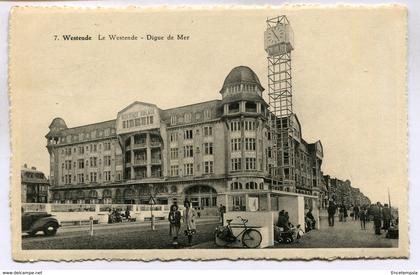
x: 34, y: 186
x: 212, y: 153
x: 341, y: 191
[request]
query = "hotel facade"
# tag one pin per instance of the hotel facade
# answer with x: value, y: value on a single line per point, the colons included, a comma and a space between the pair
x: 211, y: 153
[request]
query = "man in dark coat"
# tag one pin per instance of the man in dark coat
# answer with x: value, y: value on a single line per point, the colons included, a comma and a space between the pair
x: 356, y: 211
x: 331, y: 213
x: 377, y: 217
x: 283, y: 221
x: 386, y: 216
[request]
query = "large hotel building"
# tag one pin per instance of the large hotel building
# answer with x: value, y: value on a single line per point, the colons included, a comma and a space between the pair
x: 212, y: 153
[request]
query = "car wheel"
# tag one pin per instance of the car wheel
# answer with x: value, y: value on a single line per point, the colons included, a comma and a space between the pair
x: 50, y: 229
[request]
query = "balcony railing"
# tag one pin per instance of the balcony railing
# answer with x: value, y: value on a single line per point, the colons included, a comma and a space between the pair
x: 140, y: 162
x: 156, y: 161
x: 139, y: 145
x: 154, y: 143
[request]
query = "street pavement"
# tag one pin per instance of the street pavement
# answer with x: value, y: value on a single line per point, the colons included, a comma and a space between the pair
x: 342, y: 235
x: 128, y: 235
x: 139, y: 235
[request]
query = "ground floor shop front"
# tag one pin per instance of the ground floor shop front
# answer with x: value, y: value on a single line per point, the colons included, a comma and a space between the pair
x: 207, y: 195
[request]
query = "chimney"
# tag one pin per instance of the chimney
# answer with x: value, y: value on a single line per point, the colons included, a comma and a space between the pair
x: 25, y: 166
x: 33, y: 168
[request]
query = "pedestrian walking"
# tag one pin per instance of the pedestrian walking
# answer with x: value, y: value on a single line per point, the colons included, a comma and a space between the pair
x: 222, y: 211
x: 189, y: 216
x: 341, y: 213
x: 386, y: 216
x: 377, y: 217
x: 332, y: 208
x: 345, y: 213
x: 363, y: 216
x: 174, y: 219
x: 356, y: 211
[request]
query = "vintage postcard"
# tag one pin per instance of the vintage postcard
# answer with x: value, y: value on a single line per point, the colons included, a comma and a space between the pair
x: 203, y: 133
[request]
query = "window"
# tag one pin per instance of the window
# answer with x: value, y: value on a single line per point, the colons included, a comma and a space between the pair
x: 207, y: 114
x: 107, y: 160
x: 174, y: 170
x: 208, y: 131
x: 188, y: 151
x: 235, y: 164
x: 249, y: 125
x: 208, y: 167
x: 208, y: 148
x: 251, y: 185
x: 107, y: 175
x: 269, y: 152
x: 233, y: 107
x: 250, y: 163
x: 250, y: 107
x: 187, y: 117
x: 68, y: 164
x: 93, y: 161
x: 174, y: 153
x: 81, y: 163
x: 235, y: 144
x: 236, y: 185
x: 81, y: 150
x: 235, y: 126
x: 93, y: 177
x: 188, y: 134
x: 189, y: 169
x: 80, y: 178
x: 250, y: 144
x: 173, y: 120
x: 173, y: 137
x: 238, y: 203
x: 107, y: 146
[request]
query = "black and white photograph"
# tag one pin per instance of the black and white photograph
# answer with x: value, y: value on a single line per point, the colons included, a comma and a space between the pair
x: 193, y: 133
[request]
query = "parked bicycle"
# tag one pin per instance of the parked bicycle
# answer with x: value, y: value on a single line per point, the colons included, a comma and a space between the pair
x: 251, y: 238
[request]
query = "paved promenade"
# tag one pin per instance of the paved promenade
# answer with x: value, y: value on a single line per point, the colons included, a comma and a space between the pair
x: 140, y: 236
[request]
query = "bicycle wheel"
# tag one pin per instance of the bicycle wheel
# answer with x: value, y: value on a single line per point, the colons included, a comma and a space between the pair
x: 251, y: 238
x: 218, y: 241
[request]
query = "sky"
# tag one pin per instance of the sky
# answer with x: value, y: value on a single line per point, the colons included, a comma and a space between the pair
x: 347, y: 68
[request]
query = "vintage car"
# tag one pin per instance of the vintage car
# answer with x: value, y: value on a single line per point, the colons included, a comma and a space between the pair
x: 33, y: 222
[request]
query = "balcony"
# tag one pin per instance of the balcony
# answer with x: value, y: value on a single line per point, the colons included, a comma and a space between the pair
x: 140, y: 162
x: 139, y: 145
x: 155, y: 143
x: 156, y: 161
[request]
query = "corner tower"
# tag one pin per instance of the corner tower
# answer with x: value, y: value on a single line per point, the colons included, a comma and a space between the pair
x: 245, y: 114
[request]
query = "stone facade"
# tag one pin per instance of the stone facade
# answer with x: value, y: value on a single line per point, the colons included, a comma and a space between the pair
x: 34, y: 186
x: 212, y: 153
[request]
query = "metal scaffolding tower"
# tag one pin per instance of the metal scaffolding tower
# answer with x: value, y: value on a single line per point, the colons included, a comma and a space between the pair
x: 279, y: 44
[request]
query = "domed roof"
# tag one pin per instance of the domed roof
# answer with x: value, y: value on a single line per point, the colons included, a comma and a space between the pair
x: 58, y: 123
x: 242, y: 74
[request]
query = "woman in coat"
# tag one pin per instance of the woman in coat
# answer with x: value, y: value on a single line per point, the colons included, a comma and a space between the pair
x: 174, y: 223
x: 189, y: 216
